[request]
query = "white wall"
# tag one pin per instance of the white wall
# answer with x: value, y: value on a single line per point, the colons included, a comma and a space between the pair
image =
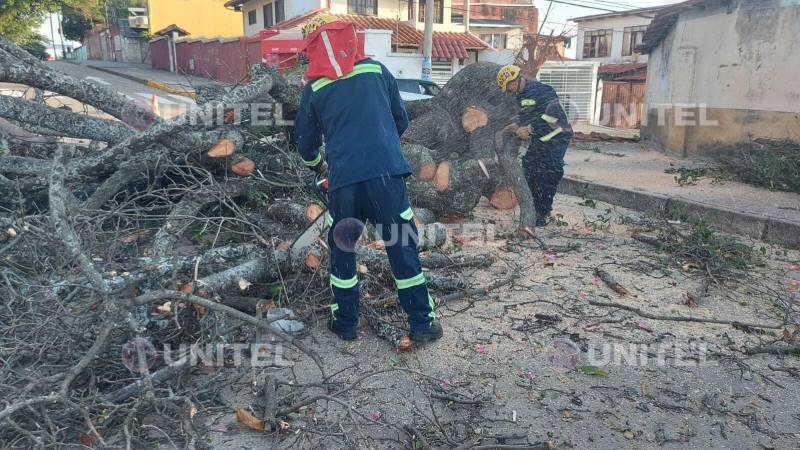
x: 378, y: 45
x: 752, y: 62
x: 618, y: 24
x: 292, y: 8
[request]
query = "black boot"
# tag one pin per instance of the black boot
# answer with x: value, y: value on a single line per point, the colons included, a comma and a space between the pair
x: 345, y: 335
x: 433, y: 333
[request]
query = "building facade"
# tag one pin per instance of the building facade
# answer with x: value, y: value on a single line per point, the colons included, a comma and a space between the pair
x: 201, y: 18
x: 704, y: 94
x: 612, y: 38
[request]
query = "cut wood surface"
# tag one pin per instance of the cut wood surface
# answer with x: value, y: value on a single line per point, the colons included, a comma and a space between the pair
x: 441, y: 180
x: 243, y: 167
x: 473, y: 118
x: 222, y: 149
x: 503, y: 198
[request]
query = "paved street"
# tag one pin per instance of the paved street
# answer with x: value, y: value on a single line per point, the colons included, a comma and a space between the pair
x: 169, y: 105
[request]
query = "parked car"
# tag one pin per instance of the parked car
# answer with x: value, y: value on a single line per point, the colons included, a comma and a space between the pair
x: 412, y: 89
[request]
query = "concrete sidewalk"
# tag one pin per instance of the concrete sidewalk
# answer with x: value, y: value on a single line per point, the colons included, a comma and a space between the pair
x: 143, y: 73
x: 633, y: 176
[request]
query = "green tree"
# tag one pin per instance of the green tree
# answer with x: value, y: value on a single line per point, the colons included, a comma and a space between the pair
x: 75, y: 21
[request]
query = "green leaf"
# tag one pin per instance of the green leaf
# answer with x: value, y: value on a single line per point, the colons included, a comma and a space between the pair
x: 593, y: 371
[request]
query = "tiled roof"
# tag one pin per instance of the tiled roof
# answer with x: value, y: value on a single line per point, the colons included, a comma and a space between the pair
x: 448, y: 48
x: 402, y: 34
x: 170, y: 28
x: 614, y: 69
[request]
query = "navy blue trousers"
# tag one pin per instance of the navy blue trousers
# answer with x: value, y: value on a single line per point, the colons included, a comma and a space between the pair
x: 544, y: 168
x: 384, y: 203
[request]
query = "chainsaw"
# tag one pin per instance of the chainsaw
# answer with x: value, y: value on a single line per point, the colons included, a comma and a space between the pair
x: 315, y: 229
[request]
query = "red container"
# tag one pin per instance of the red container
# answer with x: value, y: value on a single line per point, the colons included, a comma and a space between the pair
x: 280, y: 48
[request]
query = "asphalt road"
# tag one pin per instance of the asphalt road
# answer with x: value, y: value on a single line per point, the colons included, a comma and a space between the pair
x: 169, y: 105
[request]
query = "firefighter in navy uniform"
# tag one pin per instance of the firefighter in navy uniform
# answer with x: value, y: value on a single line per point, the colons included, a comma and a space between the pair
x: 361, y: 117
x: 542, y: 120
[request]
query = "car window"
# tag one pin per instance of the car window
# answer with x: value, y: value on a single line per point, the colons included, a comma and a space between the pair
x: 430, y: 88
x: 408, y: 86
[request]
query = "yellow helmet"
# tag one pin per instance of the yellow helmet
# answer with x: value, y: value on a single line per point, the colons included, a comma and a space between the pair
x: 317, y: 22
x: 507, y: 74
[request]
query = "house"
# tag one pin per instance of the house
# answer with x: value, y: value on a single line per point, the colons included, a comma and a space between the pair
x: 612, y: 38
x: 125, y: 39
x: 501, y: 23
x: 708, y: 91
x: 393, y: 30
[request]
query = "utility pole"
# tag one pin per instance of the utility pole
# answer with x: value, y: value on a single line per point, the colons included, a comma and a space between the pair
x: 427, y: 43
x: 53, y: 36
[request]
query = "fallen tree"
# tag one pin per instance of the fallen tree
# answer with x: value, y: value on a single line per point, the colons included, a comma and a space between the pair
x: 128, y: 228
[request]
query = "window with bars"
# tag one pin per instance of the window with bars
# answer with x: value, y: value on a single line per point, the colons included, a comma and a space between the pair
x: 597, y: 44
x: 438, y: 11
x: 633, y: 37
x: 496, y: 40
x: 362, y: 7
x: 251, y: 17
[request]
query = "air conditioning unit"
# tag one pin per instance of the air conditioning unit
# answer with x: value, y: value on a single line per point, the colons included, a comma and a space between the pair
x: 138, y: 22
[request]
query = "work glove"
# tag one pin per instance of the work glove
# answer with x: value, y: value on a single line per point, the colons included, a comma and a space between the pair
x: 524, y: 133
x: 321, y: 169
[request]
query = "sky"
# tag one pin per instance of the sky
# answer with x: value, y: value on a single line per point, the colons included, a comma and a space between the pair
x: 560, y: 13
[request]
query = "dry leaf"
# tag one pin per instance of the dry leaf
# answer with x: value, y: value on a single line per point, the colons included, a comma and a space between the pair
x: 404, y: 344
x: 283, y: 245
x: 193, y: 411
x: 86, y: 439
x: 283, y: 425
x: 362, y: 268
x: 248, y: 420
x: 187, y: 288
x: 244, y: 284
x: 165, y: 308
x: 11, y: 232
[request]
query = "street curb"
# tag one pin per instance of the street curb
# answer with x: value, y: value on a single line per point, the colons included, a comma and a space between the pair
x: 757, y: 227
x: 147, y: 82
x: 133, y: 78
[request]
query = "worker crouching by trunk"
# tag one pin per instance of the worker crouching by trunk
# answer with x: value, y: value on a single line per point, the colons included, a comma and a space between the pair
x: 543, y: 120
x: 354, y: 103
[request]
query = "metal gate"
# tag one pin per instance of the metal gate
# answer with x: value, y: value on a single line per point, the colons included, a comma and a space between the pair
x: 441, y: 71
x: 574, y: 82
x: 622, y: 104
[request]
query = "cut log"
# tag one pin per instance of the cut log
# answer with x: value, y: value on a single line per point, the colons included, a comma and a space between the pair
x: 503, y: 198
x: 313, y: 211
x: 243, y: 167
x: 441, y: 180
x: 449, y: 123
x: 421, y: 161
x: 427, y: 172
x: 506, y: 146
x: 423, y: 216
x: 474, y: 117
x: 222, y: 149
x: 288, y: 212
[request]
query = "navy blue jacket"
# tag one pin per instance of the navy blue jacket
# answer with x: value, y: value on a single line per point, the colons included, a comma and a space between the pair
x: 361, y: 118
x: 541, y: 109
